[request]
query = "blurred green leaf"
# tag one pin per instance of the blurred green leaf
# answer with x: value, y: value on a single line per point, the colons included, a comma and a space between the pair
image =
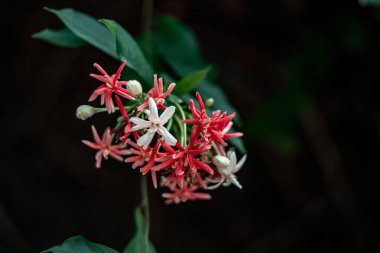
x: 190, y: 82
x: 137, y: 244
x: 179, y: 48
x: 80, y: 244
x: 62, y: 37
x: 128, y: 49
x: 375, y: 3
x: 88, y: 29
x: 239, y: 144
x: 178, y: 45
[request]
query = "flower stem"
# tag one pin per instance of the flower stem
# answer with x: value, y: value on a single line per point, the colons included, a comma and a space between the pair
x: 145, y: 207
x: 183, y: 129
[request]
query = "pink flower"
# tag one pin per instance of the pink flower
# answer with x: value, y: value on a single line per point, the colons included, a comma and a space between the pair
x: 105, y: 148
x: 184, y: 160
x: 157, y: 93
x: 127, y: 125
x: 213, y: 128
x: 110, y: 85
x: 184, y: 194
x: 141, y: 156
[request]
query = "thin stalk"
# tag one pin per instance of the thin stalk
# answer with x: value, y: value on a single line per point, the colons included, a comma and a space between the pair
x: 183, y: 127
x: 147, y: 17
x: 145, y: 207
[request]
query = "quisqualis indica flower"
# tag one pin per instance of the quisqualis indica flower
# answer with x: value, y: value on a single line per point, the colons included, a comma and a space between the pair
x: 210, y: 127
x: 187, y: 192
x: 184, y: 160
x: 157, y: 93
x: 111, y: 84
x: 154, y: 124
x: 105, y: 148
x: 227, y: 174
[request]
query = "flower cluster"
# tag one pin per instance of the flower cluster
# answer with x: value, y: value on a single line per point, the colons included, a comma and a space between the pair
x: 158, y: 135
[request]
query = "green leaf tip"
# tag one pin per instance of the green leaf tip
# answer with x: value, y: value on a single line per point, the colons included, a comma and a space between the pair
x: 192, y: 81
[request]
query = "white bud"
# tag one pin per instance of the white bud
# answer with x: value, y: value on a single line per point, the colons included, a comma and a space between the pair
x: 209, y: 102
x: 134, y: 87
x: 221, y: 161
x: 85, y: 111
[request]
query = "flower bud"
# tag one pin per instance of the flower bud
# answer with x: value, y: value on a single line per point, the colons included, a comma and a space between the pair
x: 134, y: 87
x: 221, y: 161
x: 85, y: 111
x: 209, y: 102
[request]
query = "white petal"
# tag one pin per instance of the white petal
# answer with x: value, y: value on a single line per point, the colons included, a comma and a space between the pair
x: 232, y: 157
x: 167, y: 114
x: 240, y: 164
x: 213, y: 187
x: 145, y: 140
x: 153, y: 117
x: 139, y: 123
x: 234, y: 180
x: 168, y: 137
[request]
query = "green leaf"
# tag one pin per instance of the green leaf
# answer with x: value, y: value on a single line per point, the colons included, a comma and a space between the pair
x: 179, y: 48
x: 177, y: 42
x: 137, y: 244
x: 80, y: 244
x: 128, y: 49
x: 191, y: 81
x: 239, y: 144
x: 375, y: 3
x: 62, y: 37
x: 88, y: 29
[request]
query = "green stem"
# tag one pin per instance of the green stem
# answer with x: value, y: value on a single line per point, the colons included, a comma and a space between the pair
x: 145, y: 207
x: 182, y: 125
x: 147, y: 17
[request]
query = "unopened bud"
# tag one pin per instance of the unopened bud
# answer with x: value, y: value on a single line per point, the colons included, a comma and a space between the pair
x: 209, y: 102
x: 134, y: 87
x: 85, y: 111
x: 221, y: 161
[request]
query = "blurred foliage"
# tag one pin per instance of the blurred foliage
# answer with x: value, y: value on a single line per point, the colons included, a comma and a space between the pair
x: 137, y: 243
x: 370, y: 2
x: 80, y: 244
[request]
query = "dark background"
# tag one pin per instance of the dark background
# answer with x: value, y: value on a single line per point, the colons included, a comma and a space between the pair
x: 301, y: 73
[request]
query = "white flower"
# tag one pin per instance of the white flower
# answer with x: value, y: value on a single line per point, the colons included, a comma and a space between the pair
x: 227, y: 173
x: 154, y: 124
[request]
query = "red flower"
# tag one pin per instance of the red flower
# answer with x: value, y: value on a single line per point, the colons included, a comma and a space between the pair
x: 127, y: 124
x: 184, y: 194
x: 183, y: 160
x: 157, y: 93
x: 110, y: 85
x: 105, y: 148
x: 213, y: 129
x: 141, y: 156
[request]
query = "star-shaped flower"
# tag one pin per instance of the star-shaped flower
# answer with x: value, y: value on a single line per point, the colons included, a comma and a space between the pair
x: 157, y: 93
x: 187, y: 192
x: 105, y: 148
x: 227, y: 171
x: 154, y: 124
x: 111, y: 84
